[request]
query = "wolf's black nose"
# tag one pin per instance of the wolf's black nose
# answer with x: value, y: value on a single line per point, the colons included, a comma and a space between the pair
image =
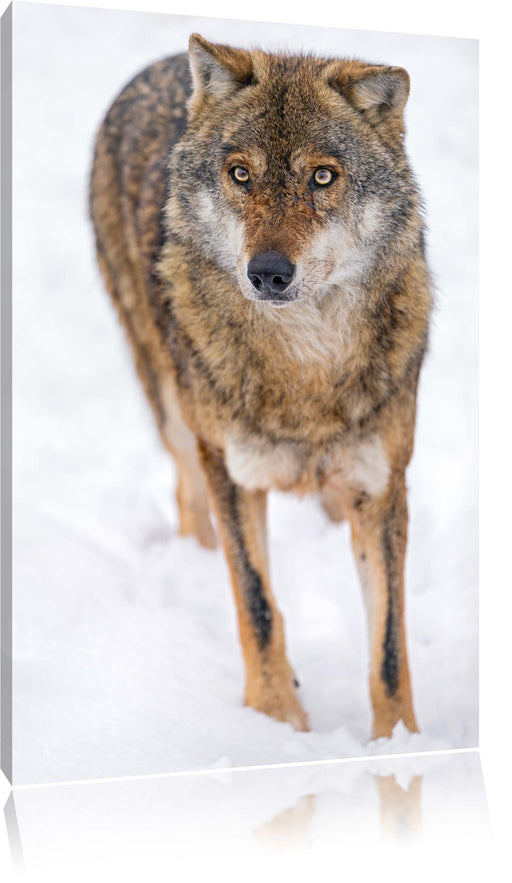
x: 270, y: 272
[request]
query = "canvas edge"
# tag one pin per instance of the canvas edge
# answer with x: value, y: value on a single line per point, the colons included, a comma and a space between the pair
x: 6, y: 395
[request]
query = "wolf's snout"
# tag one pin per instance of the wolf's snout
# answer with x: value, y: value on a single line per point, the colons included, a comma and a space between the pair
x: 270, y: 273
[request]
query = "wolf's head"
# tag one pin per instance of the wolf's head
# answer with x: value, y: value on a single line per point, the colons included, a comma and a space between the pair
x: 291, y: 175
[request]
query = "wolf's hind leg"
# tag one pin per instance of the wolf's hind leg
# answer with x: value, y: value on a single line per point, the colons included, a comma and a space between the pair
x: 331, y: 503
x: 192, y: 499
x: 241, y: 520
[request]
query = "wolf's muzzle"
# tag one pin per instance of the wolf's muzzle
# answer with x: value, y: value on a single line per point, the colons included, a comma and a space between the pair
x: 270, y: 273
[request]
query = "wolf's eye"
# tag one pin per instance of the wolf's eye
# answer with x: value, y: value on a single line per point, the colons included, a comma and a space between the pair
x: 324, y: 177
x: 240, y: 175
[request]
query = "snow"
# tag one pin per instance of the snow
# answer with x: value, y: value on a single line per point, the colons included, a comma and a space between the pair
x: 126, y: 656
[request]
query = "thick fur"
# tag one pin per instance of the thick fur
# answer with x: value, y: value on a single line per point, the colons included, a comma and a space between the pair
x: 315, y: 394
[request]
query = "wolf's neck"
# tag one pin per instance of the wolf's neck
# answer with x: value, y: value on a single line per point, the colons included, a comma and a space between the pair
x: 318, y: 332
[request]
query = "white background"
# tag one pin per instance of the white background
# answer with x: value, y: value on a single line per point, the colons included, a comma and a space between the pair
x: 459, y: 20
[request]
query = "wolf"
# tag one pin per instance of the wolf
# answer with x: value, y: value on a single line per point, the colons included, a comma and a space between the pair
x: 261, y: 235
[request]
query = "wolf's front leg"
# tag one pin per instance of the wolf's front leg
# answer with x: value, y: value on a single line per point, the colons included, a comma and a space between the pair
x: 379, y: 537
x: 241, y: 521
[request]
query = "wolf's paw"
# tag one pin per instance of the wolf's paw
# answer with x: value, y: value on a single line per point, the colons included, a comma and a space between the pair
x: 384, y: 724
x: 281, y: 703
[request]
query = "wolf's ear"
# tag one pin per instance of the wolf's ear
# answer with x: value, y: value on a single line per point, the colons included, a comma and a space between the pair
x: 379, y: 92
x: 218, y: 70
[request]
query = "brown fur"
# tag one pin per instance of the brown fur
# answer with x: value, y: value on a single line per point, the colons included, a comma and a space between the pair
x: 317, y: 396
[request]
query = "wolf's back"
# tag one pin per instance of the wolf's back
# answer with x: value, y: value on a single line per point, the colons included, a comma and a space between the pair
x: 127, y: 189
x: 127, y: 193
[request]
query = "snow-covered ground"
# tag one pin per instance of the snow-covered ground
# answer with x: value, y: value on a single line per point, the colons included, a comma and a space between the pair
x: 126, y: 657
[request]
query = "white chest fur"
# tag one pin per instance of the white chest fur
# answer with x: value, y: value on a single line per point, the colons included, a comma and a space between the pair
x: 257, y: 464
x: 260, y: 465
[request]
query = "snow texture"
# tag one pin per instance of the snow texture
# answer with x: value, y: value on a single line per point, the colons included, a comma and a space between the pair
x: 126, y: 655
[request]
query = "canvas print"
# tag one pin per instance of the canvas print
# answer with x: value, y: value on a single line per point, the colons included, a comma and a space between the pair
x: 244, y: 394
